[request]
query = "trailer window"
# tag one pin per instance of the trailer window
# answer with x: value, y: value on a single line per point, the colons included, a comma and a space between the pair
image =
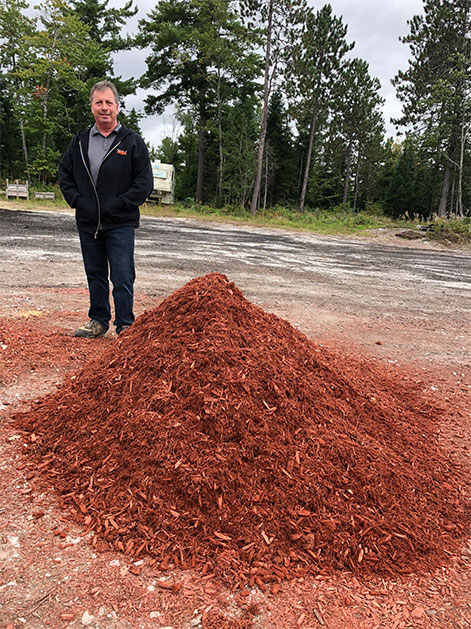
x: 160, y: 173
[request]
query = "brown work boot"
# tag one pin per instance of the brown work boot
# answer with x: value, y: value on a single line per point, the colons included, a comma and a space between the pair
x: 91, y: 330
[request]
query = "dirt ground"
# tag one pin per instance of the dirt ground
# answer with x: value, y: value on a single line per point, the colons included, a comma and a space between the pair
x: 51, y: 576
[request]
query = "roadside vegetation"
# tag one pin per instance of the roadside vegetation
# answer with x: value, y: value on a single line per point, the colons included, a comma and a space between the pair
x: 452, y: 232
x: 336, y: 221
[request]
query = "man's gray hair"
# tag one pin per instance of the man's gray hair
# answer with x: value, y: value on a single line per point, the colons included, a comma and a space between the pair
x: 103, y: 85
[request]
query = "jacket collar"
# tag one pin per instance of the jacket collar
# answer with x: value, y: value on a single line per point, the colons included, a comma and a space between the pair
x: 84, y: 134
x: 95, y: 131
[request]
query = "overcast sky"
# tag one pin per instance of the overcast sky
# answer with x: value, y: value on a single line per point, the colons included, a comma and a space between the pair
x: 375, y: 27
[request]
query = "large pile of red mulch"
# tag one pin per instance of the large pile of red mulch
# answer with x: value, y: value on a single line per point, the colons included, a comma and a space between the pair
x: 214, y: 435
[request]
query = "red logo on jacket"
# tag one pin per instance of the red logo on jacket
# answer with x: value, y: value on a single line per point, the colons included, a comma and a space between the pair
x: 120, y: 152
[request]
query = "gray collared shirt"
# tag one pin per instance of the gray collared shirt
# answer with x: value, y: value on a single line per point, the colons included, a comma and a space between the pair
x: 98, y: 147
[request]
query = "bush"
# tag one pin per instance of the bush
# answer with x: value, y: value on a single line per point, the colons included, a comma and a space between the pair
x: 373, y: 209
x: 336, y: 220
x: 455, y: 230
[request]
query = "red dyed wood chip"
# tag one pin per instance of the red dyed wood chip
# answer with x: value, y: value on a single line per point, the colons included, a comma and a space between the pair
x: 214, y: 435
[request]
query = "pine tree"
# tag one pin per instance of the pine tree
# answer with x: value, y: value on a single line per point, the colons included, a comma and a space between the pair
x: 436, y: 88
x: 241, y: 123
x: 15, y: 29
x: 278, y: 20
x: 284, y: 158
x: 312, y: 72
x: 357, y: 119
x: 194, y: 45
x: 59, y: 54
x: 105, y: 23
x: 400, y: 194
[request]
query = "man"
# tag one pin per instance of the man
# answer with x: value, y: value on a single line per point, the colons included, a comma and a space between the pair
x: 105, y: 174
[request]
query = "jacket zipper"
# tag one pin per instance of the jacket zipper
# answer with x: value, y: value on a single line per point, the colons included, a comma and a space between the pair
x: 93, y: 183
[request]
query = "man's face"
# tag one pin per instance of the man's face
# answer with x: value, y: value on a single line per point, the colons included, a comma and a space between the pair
x: 104, y: 108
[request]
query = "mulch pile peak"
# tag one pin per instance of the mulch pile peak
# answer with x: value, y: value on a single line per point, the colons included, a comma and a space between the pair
x: 213, y: 435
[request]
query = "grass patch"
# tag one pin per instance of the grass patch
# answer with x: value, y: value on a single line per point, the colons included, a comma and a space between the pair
x: 455, y: 231
x: 335, y: 221
x: 32, y: 203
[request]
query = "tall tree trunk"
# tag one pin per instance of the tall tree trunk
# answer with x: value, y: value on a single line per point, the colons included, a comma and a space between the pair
x: 452, y: 195
x: 44, y: 97
x: 201, y: 153
x: 357, y: 178
x: 24, y: 146
x: 266, y: 183
x: 450, y: 161
x: 445, y: 190
x: 221, y: 151
x: 307, y: 167
x: 263, y: 123
x: 348, y: 166
x: 300, y: 170
x: 22, y: 134
x: 465, y: 128
x: 21, y: 121
x: 44, y: 138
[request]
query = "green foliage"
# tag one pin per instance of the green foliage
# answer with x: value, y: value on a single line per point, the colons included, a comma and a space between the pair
x: 436, y: 91
x: 280, y: 173
x: 337, y: 221
x: 105, y: 23
x: 54, y: 65
x: 167, y: 151
x: 313, y: 70
x: 10, y: 145
x: 373, y: 209
x: 358, y: 122
x: 51, y: 61
x: 239, y: 155
x: 278, y: 21
x: 200, y: 56
x: 401, y: 193
x: 452, y: 232
x: 270, y: 111
x: 131, y: 119
x: 186, y: 158
x: 462, y: 226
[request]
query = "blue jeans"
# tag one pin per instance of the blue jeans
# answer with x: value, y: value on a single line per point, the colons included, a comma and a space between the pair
x: 112, y: 249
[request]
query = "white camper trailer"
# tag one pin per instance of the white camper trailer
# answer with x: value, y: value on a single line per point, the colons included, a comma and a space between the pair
x: 164, y: 183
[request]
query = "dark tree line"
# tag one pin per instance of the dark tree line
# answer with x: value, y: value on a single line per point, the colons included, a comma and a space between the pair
x: 273, y: 108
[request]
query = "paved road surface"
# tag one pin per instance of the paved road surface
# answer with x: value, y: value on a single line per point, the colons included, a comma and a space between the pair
x: 181, y: 244
x: 314, y: 281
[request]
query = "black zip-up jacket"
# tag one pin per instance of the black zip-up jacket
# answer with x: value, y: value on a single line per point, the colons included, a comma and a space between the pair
x: 124, y: 181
